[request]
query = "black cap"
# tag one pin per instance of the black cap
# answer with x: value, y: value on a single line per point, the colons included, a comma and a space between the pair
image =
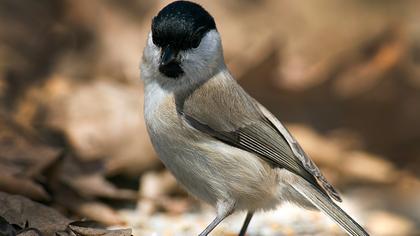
x: 181, y: 25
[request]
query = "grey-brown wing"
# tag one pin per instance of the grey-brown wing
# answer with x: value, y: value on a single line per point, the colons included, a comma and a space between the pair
x: 297, y: 150
x: 224, y: 111
x: 259, y: 138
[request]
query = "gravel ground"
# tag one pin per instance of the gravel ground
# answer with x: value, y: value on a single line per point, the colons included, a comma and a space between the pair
x: 286, y: 220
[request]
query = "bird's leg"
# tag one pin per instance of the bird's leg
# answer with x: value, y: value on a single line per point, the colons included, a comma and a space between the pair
x: 212, y: 225
x: 246, y: 223
x: 224, y: 209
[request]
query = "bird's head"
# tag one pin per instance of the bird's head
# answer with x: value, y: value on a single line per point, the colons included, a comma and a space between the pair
x: 184, y: 42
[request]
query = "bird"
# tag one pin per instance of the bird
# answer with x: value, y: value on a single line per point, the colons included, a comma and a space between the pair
x: 222, y: 145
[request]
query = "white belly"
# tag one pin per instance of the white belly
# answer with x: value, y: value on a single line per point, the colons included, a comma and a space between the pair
x: 208, y: 168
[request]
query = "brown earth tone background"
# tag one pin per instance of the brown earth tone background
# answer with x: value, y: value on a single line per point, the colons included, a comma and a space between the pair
x: 344, y: 76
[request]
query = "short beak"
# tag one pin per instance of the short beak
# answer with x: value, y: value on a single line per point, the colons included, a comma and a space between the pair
x: 168, y: 56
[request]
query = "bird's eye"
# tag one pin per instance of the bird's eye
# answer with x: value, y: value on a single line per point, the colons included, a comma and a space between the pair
x: 157, y: 42
x: 195, y: 43
x: 197, y: 36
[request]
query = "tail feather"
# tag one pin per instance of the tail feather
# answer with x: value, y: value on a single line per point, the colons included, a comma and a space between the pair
x: 326, y: 205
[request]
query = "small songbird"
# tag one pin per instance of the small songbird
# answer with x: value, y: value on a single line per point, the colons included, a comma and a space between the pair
x: 221, y: 144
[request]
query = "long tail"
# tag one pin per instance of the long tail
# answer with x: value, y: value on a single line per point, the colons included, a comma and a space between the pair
x: 326, y: 205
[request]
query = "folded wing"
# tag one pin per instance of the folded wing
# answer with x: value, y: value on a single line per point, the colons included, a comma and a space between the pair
x: 229, y: 114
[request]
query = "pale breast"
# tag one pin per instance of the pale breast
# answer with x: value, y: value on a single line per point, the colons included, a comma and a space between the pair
x: 159, y: 109
x: 208, y: 168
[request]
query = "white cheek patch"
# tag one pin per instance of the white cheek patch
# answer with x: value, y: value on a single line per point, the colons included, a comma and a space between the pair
x: 150, y: 60
x: 206, y: 59
x: 154, y: 50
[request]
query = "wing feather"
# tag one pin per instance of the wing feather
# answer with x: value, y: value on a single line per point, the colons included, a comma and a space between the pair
x: 307, y: 162
x: 227, y: 113
x: 261, y: 139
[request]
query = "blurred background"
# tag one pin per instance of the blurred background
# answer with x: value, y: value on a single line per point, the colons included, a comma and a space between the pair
x: 344, y: 76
